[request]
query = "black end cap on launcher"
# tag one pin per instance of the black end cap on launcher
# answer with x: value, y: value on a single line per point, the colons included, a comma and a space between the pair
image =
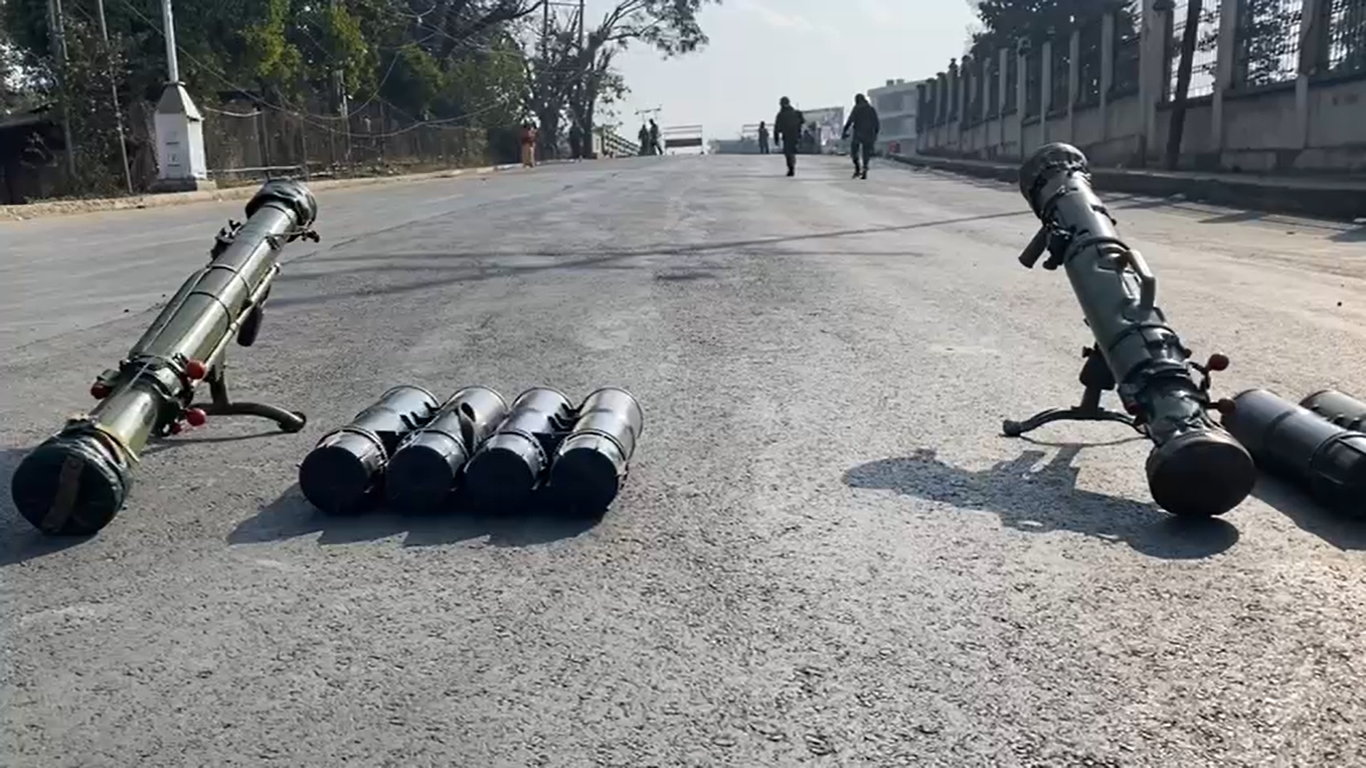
x: 1200, y: 474
x: 71, y: 485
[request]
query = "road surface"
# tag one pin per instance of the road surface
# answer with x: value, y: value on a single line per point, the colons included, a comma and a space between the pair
x: 825, y: 554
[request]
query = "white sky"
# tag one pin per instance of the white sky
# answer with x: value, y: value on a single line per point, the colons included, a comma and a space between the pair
x: 817, y: 52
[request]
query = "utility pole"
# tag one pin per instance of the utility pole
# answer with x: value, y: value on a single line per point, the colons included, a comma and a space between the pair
x: 114, y: 97
x: 343, y: 107
x: 58, y: 42
x: 181, y: 165
x: 545, y: 33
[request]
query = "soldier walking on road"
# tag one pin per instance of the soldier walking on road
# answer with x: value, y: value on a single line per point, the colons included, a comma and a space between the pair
x: 787, y: 128
x: 655, y: 149
x: 866, y: 125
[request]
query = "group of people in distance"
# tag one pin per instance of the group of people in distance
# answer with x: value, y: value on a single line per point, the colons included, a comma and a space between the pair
x: 863, y: 123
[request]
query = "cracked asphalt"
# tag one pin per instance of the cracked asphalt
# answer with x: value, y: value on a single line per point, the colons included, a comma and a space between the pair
x: 825, y: 553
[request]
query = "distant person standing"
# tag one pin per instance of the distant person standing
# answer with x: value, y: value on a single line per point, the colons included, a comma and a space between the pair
x: 644, y: 137
x: 528, y: 145
x: 864, y: 122
x: 575, y: 142
x: 763, y: 138
x: 655, y: 149
x: 787, y: 128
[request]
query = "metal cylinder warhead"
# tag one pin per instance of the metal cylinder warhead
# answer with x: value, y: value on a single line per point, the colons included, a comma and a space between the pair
x: 344, y: 471
x: 426, y: 468
x: 1036, y: 172
x: 510, y: 465
x: 1295, y: 443
x: 1339, y: 408
x: 294, y: 195
x: 592, y: 461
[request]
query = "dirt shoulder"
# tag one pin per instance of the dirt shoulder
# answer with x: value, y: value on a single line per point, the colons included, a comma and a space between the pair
x: 92, y: 205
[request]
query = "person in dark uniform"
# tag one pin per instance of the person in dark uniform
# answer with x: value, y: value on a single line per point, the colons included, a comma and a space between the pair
x: 575, y: 142
x: 763, y: 138
x: 655, y: 149
x: 866, y: 125
x: 787, y: 128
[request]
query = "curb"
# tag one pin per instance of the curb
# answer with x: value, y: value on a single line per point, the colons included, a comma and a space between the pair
x: 98, y: 205
x: 1330, y: 199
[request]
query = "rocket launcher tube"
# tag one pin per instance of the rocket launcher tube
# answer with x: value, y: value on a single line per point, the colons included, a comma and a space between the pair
x: 1195, y: 467
x: 76, y: 482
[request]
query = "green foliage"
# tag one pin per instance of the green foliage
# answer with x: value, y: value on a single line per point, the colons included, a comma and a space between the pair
x: 578, y: 77
x: 1006, y: 22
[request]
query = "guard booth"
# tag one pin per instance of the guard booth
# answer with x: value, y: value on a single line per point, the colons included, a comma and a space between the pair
x: 685, y: 137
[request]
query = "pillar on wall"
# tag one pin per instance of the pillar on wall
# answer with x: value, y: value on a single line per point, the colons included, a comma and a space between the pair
x: 1046, y: 86
x: 1021, y: 91
x: 1073, y: 82
x: 1151, y: 67
x: 955, y: 108
x: 964, y: 93
x: 1223, y: 69
x: 1107, y: 70
x: 1313, y: 35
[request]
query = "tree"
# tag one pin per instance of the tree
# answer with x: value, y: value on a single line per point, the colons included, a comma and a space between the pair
x: 1177, y: 128
x: 456, y: 62
x: 575, y: 75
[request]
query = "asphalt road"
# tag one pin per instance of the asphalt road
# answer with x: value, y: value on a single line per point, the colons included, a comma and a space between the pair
x: 825, y: 554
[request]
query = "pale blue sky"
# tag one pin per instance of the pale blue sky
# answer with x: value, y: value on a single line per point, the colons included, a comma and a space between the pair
x: 818, y: 52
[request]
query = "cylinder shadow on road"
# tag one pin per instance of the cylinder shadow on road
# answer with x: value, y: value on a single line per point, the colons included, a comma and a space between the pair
x: 1045, y: 500
x: 291, y: 516
x: 1343, y: 532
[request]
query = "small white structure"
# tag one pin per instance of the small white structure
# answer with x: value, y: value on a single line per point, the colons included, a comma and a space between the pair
x: 897, y: 103
x: 181, y: 164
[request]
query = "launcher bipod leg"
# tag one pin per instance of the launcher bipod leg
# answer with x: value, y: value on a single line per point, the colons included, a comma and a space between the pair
x: 1096, y: 378
x: 221, y: 405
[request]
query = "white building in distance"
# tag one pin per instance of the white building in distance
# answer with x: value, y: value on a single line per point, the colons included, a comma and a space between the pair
x: 896, y: 104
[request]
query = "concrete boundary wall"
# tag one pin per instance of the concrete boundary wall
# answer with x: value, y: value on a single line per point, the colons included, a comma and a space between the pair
x: 1106, y: 85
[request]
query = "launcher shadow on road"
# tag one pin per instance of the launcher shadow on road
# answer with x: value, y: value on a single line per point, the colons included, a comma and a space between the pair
x: 1046, y: 500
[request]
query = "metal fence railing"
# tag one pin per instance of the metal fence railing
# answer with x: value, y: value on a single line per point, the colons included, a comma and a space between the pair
x: 1089, y: 63
x: 1206, y: 50
x: 1012, y: 95
x: 1033, y: 83
x: 1346, y: 33
x: 1061, y: 70
x: 1267, y: 42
